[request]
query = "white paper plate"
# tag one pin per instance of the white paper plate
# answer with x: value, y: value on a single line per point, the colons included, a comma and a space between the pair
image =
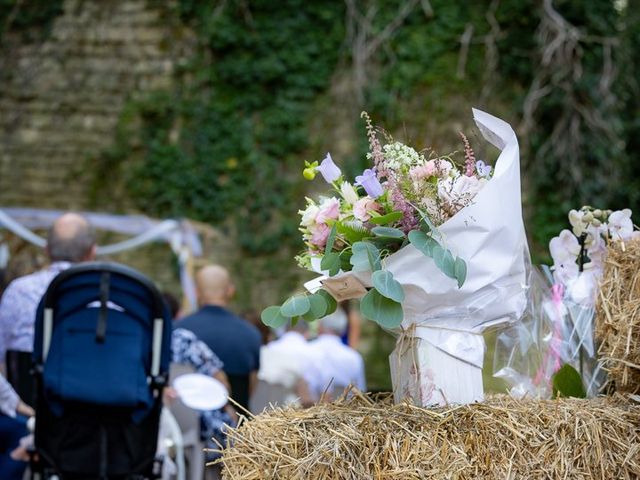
x: 201, y: 392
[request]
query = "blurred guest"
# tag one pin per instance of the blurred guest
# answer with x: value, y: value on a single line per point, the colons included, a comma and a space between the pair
x: 283, y: 366
x: 233, y: 339
x: 187, y: 349
x: 336, y: 365
x: 12, y: 428
x: 71, y: 239
x: 253, y: 317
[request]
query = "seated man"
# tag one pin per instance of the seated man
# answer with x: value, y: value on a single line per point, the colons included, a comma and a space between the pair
x: 283, y: 365
x: 336, y: 365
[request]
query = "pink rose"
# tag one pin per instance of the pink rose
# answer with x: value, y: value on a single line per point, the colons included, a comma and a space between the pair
x: 319, y: 234
x: 329, y: 210
x: 362, y: 208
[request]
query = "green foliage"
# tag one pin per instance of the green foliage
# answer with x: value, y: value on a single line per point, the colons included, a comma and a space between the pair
x: 568, y: 383
x: 382, y: 310
x: 32, y: 19
x: 224, y: 146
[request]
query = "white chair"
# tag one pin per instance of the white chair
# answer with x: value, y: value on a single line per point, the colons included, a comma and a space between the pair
x: 189, y: 422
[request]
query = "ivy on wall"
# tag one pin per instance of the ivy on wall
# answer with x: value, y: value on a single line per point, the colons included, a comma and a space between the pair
x: 226, y: 143
x: 31, y: 20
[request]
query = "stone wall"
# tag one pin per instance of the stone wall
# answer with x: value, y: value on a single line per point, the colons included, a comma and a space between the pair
x: 60, y: 99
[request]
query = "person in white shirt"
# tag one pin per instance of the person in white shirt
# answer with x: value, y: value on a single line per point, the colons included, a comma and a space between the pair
x: 284, y: 363
x: 336, y: 365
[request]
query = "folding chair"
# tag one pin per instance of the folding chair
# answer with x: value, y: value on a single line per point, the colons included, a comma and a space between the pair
x: 101, y: 356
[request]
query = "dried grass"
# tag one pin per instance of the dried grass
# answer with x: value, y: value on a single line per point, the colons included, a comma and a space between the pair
x: 502, y: 438
x: 618, y: 316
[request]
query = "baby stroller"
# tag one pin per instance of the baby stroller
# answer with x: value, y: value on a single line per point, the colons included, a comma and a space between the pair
x: 101, y: 355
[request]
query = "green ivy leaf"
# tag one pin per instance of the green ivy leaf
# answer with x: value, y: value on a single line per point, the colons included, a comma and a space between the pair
x: 387, y: 286
x: 387, y: 219
x: 460, y: 269
x: 332, y: 305
x: 568, y: 383
x: 365, y: 257
x: 272, y: 317
x: 388, y: 232
x: 317, y: 309
x: 295, y: 306
x: 380, y: 309
x: 331, y: 262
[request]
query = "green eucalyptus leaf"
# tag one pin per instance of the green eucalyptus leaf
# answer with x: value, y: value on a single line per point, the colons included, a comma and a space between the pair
x: 460, y: 269
x: 295, y: 306
x: 388, y: 232
x: 332, y: 304
x: 568, y: 383
x: 365, y: 257
x: 331, y: 262
x: 317, y: 309
x: 380, y: 309
x: 444, y: 261
x: 272, y: 317
x: 387, y: 219
x: 387, y: 286
x: 423, y: 242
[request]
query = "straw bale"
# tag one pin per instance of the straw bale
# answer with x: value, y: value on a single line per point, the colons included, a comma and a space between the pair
x: 502, y: 438
x: 618, y: 316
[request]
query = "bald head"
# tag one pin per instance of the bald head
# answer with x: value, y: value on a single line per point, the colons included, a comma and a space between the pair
x: 71, y: 239
x: 214, y: 285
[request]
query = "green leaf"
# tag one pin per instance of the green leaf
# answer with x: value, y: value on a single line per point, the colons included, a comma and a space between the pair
x: 331, y: 239
x: 387, y: 219
x: 423, y: 242
x: 345, y: 257
x: 460, y: 269
x: 272, y: 317
x: 332, y: 305
x: 365, y: 257
x: 331, y: 262
x: 295, y: 306
x: 568, y: 383
x: 388, y: 232
x: 352, y: 231
x: 317, y: 309
x: 444, y: 261
x: 387, y: 286
x: 380, y: 309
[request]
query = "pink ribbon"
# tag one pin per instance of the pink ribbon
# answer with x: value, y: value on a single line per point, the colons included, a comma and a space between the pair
x: 551, y: 363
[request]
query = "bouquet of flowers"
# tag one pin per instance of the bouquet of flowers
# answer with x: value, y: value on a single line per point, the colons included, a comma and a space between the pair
x: 434, y: 247
x: 558, y: 327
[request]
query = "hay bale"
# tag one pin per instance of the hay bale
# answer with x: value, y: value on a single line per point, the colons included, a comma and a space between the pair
x: 618, y: 316
x: 503, y: 439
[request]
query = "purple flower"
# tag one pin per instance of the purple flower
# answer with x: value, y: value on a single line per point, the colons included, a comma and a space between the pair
x: 369, y: 181
x: 483, y: 169
x: 329, y: 171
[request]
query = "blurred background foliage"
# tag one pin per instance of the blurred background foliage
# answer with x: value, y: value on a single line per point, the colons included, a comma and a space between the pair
x: 273, y: 83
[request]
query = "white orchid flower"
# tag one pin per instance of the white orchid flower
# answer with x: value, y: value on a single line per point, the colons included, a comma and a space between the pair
x: 620, y: 225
